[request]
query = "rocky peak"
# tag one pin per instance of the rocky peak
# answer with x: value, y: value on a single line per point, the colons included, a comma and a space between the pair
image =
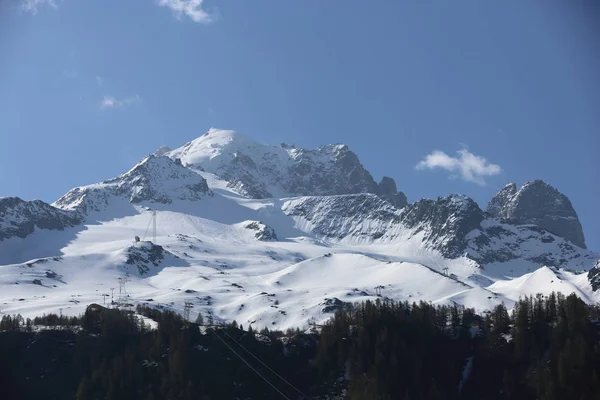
x: 386, y: 189
x: 540, y: 204
x: 501, y: 199
x: 154, y: 179
x: 162, y: 150
x: 263, y: 171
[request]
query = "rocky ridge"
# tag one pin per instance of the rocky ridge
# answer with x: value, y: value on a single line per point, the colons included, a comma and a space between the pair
x: 153, y: 180
x: 20, y: 218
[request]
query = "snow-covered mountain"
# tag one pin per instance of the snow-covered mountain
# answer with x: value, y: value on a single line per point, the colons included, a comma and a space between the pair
x: 259, y: 171
x: 280, y: 236
x: 153, y: 180
x: 454, y: 226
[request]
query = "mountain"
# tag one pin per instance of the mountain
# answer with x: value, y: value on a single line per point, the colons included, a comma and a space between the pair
x: 278, y: 236
x: 19, y: 218
x: 153, y: 180
x: 259, y: 171
x: 538, y: 203
x: 454, y: 226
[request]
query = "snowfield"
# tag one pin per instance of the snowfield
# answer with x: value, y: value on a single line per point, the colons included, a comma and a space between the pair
x: 275, y: 262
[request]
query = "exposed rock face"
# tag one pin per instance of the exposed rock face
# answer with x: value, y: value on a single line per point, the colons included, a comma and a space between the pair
x: 594, y: 276
x: 540, y: 204
x: 496, y: 206
x: 334, y: 305
x: 261, y: 171
x: 445, y: 221
x: 144, y: 255
x: 360, y: 217
x: 386, y: 189
x: 19, y: 218
x: 328, y: 170
x: 501, y: 242
x: 154, y: 179
x: 454, y: 225
x: 263, y: 232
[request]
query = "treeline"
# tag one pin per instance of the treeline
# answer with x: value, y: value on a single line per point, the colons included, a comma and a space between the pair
x: 116, y: 356
x: 393, y: 350
x: 547, y: 348
x: 18, y: 323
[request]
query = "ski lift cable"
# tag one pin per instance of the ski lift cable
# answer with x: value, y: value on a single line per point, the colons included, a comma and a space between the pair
x: 147, y: 228
x: 266, y: 366
x: 250, y: 366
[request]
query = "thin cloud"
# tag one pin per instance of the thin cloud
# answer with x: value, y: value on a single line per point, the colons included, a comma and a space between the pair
x: 69, y: 74
x: 99, y: 80
x: 32, y: 6
x: 111, y: 102
x: 468, y: 166
x: 189, y: 8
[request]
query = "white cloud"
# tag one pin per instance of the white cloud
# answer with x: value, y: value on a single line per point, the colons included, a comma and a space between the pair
x: 190, y: 8
x: 32, y: 5
x: 467, y: 165
x: 111, y: 102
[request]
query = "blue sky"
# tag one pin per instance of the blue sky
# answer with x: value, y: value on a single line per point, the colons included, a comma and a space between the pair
x: 90, y: 87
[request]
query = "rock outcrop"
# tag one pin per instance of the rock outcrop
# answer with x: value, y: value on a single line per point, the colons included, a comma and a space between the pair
x: 262, y: 232
x: 386, y: 189
x: 594, y: 276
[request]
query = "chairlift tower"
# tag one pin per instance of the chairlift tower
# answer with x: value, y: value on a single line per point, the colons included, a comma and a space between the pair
x: 122, y: 290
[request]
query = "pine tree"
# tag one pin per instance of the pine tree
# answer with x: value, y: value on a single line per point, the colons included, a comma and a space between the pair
x: 83, y: 391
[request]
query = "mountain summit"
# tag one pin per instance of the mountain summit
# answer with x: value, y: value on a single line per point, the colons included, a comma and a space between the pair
x: 540, y: 204
x: 261, y: 171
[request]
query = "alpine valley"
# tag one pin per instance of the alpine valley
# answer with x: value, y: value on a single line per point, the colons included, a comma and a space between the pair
x: 280, y: 236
